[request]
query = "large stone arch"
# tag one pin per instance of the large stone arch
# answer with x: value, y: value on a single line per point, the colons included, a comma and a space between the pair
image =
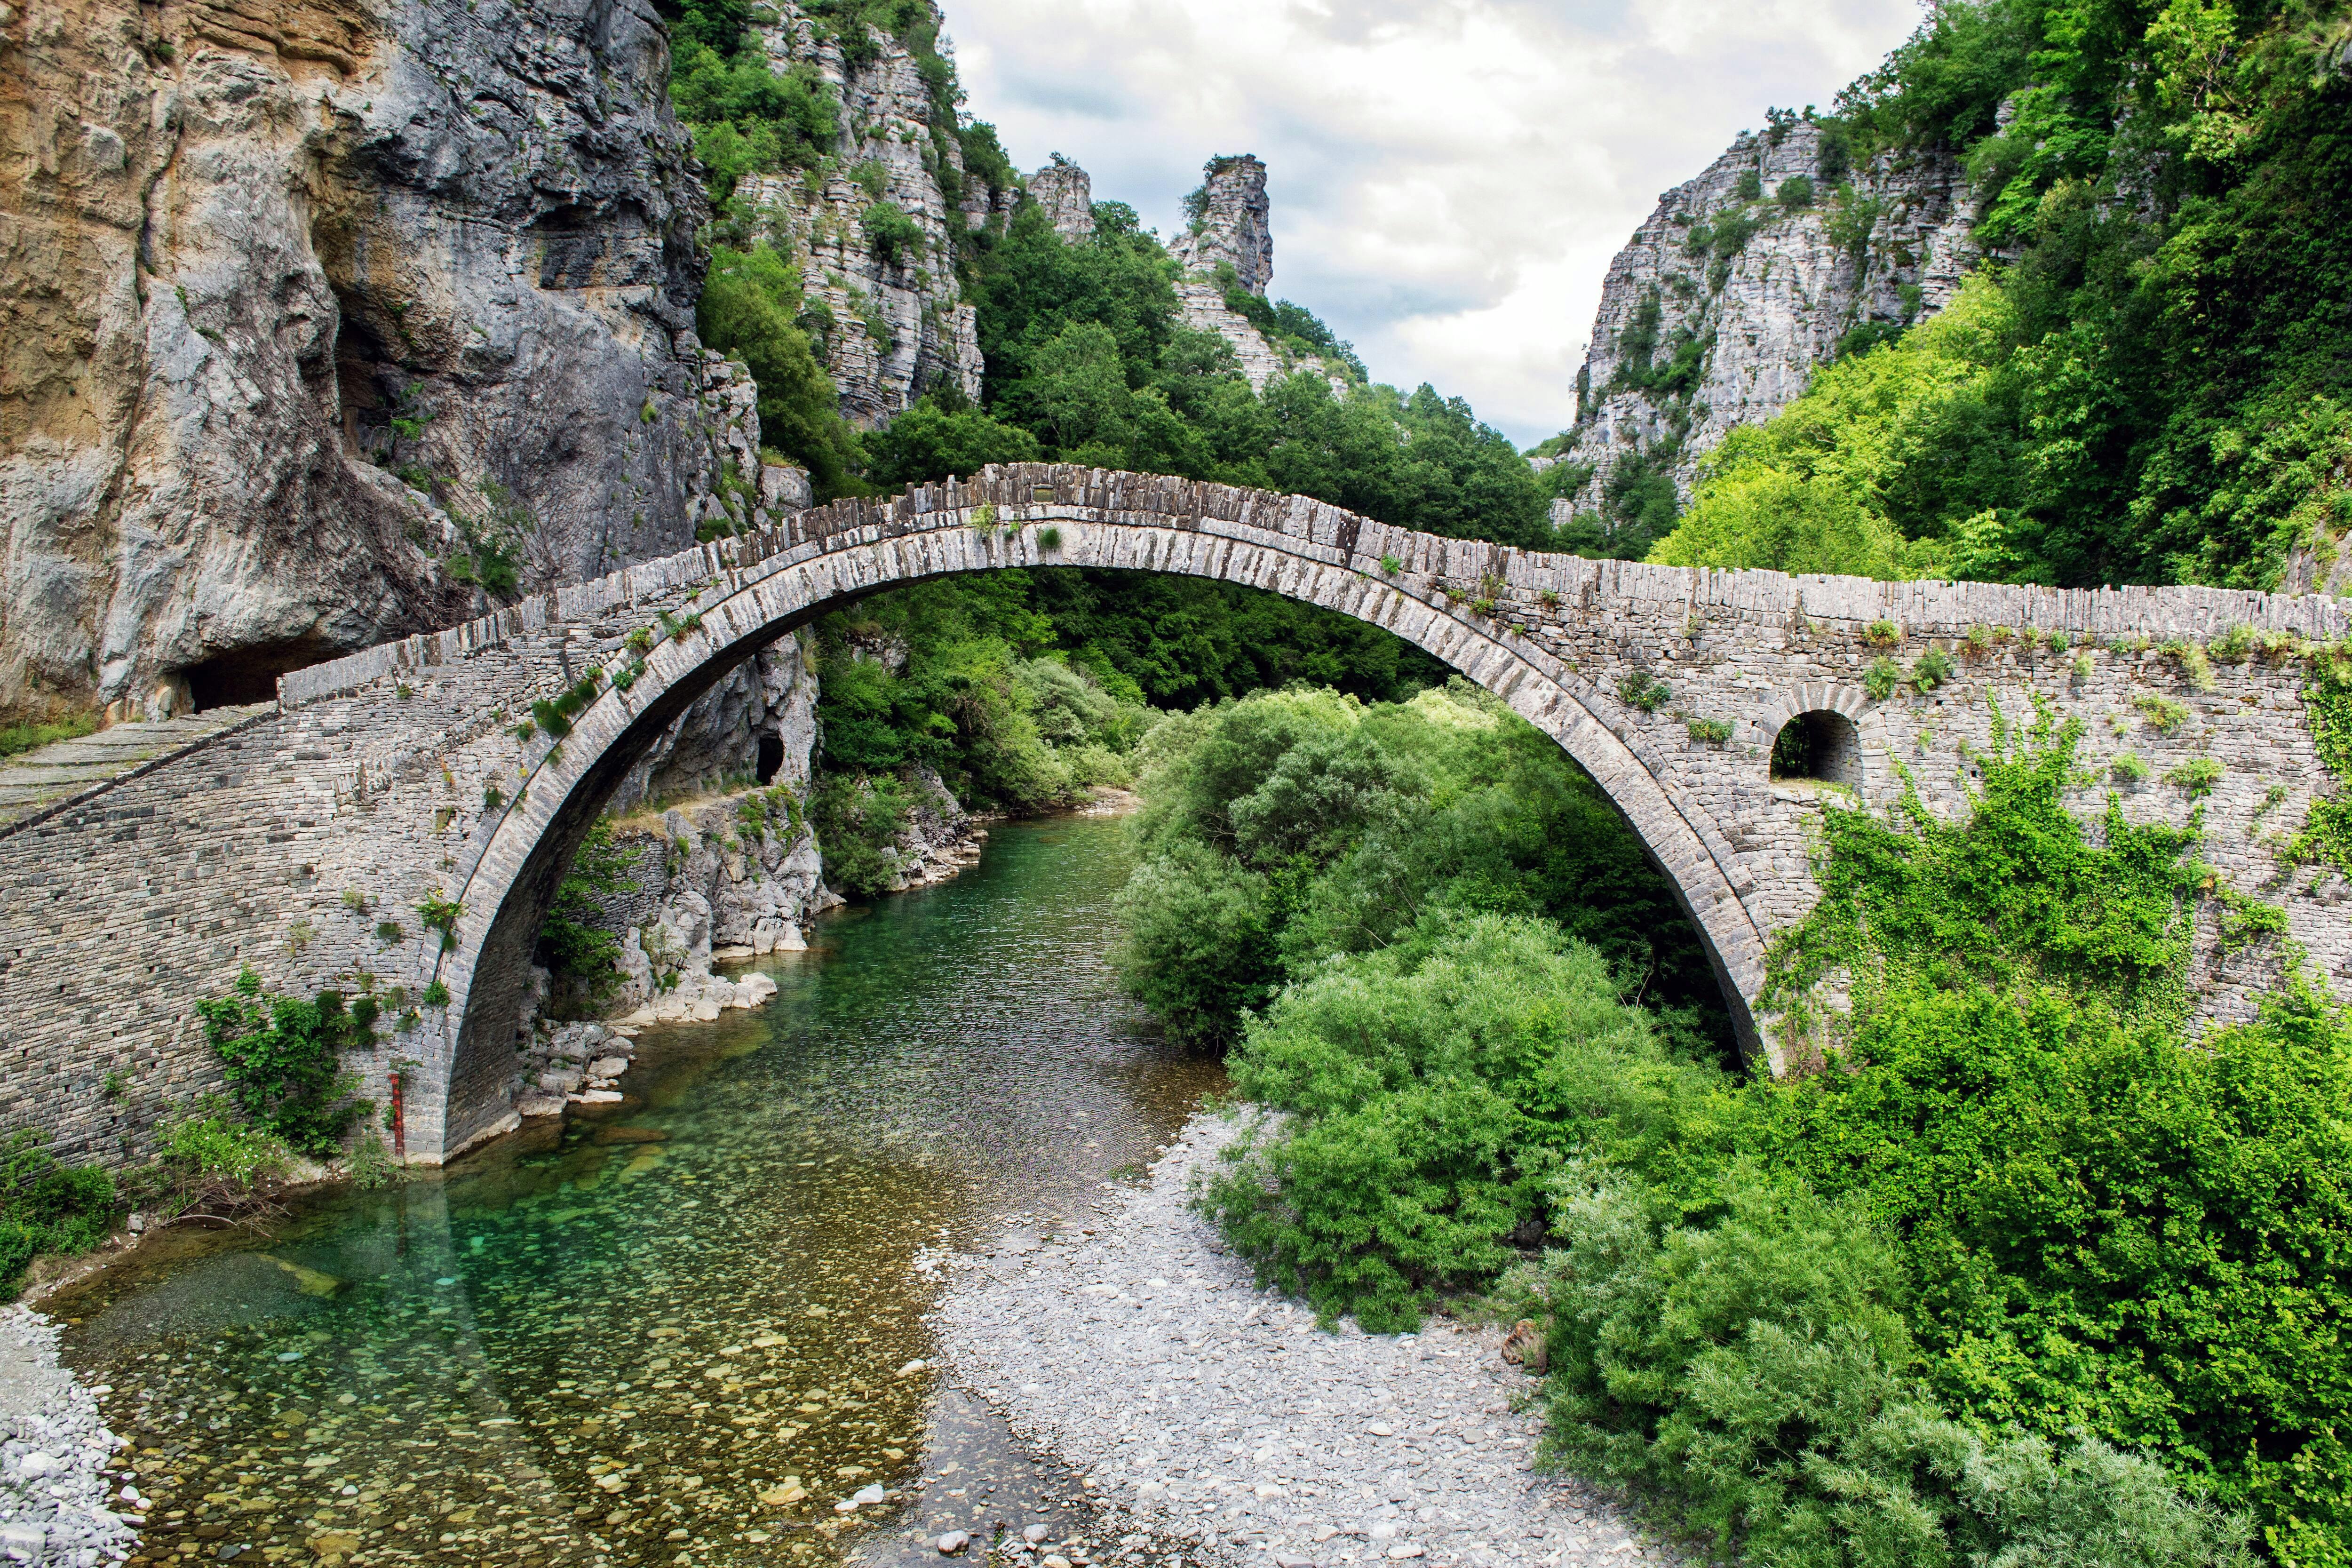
x: 321, y: 842
x: 947, y: 532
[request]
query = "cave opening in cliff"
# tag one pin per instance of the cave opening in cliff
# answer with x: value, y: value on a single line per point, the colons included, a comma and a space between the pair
x: 238, y: 677
x: 772, y: 758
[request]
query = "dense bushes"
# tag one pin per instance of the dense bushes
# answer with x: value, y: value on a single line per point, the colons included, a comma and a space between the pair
x: 1740, y: 1352
x: 45, y: 1206
x: 1307, y: 824
x: 1923, y: 1307
x: 1435, y: 1089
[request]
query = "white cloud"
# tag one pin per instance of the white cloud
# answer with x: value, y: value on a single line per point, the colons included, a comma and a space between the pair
x: 1449, y: 177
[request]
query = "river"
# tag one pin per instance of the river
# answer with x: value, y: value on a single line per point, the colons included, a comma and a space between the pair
x: 679, y: 1329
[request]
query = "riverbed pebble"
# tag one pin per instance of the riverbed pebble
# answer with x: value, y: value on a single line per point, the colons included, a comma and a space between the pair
x: 1218, y: 1413
x: 54, y: 1456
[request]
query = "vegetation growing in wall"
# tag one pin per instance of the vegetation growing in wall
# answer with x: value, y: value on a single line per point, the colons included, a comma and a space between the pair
x: 281, y: 1057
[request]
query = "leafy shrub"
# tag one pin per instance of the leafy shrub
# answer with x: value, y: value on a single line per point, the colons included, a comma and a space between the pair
x: 858, y: 820
x: 1881, y: 678
x: 2128, y: 769
x: 2198, y: 775
x: 1710, y: 732
x: 208, y: 1159
x: 895, y: 237
x: 1196, y: 944
x: 1428, y: 1092
x: 1882, y: 634
x: 280, y: 1056
x: 1796, y: 193
x: 2163, y: 715
x: 1640, y: 688
x: 2192, y: 661
x: 45, y: 1206
x: 575, y: 941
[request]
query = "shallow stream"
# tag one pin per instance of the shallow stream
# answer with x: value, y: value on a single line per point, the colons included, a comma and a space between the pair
x: 678, y: 1329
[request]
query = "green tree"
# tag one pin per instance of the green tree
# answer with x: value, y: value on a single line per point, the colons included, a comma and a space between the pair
x: 748, y: 309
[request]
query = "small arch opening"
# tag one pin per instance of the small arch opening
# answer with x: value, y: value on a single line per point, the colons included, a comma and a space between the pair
x: 1822, y: 745
x: 772, y: 758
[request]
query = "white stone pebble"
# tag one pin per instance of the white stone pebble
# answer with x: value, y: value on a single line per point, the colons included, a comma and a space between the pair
x: 53, y: 1457
x: 1219, y: 1414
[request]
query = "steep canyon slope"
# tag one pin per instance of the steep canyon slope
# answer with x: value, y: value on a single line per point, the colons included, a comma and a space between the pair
x: 1733, y: 291
x: 322, y: 316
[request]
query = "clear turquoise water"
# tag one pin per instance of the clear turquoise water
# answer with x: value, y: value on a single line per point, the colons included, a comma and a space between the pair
x: 674, y: 1331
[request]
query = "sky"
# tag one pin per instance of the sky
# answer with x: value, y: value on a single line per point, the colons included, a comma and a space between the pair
x: 1448, y: 178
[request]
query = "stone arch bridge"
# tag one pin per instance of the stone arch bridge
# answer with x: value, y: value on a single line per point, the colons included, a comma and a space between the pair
x: 305, y: 839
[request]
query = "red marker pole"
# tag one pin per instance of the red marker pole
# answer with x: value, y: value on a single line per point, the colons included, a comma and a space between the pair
x: 399, y: 1131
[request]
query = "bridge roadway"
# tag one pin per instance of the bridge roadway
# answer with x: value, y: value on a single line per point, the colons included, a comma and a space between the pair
x: 307, y: 842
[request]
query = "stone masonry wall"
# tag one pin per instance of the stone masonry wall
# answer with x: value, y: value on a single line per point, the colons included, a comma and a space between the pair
x: 286, y: 844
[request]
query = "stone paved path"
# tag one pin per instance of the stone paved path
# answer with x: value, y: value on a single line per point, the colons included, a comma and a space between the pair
x: 1217, y: 1413
x: 36, y: 779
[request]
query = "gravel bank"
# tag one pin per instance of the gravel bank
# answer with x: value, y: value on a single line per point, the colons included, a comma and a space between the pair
x: 1217, y: 1413
x: 54, y: 1451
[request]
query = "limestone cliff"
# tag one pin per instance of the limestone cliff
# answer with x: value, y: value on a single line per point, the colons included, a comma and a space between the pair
x: 1066, y: 193
x: 895, y: 324
x: 325, y: 319
x: 1740, y: 284
x: 1229, y: 242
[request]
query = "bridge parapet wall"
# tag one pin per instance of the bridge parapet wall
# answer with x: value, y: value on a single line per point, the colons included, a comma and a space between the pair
x: 292, y: 842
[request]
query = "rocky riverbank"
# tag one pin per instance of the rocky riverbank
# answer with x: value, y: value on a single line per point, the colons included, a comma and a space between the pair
x: 1140, y: 1350
x: 57, y: 1502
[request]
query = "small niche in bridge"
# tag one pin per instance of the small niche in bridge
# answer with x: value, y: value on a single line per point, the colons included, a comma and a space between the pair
x: 1821, y: 745
x: 772, y: 758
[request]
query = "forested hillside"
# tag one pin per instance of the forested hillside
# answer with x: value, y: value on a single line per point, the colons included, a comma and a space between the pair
x: 2149, y: 380
x: 1088, y: 359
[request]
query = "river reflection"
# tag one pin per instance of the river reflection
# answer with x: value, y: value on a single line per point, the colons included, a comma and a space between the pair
x: 684, y: 1329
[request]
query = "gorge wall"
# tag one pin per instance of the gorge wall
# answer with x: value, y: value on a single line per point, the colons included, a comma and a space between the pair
x: 1738, y: 284
x: 323, y: 315
x: 895, y: 323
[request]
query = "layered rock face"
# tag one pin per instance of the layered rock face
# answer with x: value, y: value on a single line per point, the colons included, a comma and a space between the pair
x: 900, y: 326
x: 1235, y: 230
x: 733, y: 866
x: 1066, y: 193
x: 1745, y: 280
x: 319, y: 313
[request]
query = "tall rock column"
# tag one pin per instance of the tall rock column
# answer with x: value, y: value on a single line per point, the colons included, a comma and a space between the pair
x: 1230, y: 241
x: 1066, y: 193
x: 1230, y: 224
